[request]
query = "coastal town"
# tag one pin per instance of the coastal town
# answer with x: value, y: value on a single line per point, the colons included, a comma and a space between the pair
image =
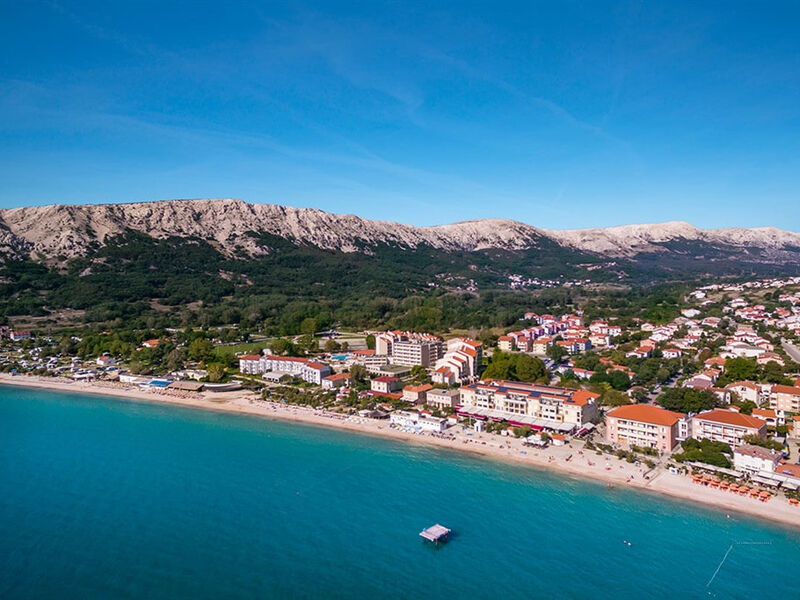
x: 702, y: 404
x: 381, y: 300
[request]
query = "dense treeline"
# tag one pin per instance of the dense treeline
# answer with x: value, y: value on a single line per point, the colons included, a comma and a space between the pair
x: 144, y: 282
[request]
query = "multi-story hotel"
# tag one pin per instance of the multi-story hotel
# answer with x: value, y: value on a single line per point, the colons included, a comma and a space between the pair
x: 538, y: 406
x: 726, y: 426
x: 305, y: 369
x: 645, y: 426
x: 407, y: 348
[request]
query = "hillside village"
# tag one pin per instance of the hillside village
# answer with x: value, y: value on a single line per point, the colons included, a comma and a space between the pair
x: 714, y: 390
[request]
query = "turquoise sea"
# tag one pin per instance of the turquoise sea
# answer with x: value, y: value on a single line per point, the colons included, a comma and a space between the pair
x: 105, y: 498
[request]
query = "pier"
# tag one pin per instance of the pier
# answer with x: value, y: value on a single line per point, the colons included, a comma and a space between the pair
x: 436, y: 533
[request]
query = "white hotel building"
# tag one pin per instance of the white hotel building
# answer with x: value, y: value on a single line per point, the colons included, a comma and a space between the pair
x: 305, y: 369
x: 406, y: 348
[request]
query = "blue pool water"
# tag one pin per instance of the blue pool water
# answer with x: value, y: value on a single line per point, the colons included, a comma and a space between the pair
x: 104, y: 498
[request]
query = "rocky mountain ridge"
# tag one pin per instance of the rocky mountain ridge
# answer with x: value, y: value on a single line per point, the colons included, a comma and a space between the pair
x: 56, y: 233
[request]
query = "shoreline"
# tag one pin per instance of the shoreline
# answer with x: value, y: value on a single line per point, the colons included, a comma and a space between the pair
x: 564, y: 460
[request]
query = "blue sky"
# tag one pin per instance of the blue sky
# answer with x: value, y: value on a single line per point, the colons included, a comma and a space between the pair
x: 557, y: 114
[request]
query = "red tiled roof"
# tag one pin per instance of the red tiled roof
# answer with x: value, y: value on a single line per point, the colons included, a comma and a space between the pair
x: 418, y: 388
x: 646, y: 413
x: 786, y: 389
x: 788, y: 469
x: 583, y: 397
x: 338, y: 377
x: 747, y: 384
x: 731, y: 418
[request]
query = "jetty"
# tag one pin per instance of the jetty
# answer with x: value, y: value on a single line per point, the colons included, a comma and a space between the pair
x: 436, y: 533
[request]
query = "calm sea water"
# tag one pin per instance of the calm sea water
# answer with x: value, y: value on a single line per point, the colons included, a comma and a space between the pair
x: 104, y: 498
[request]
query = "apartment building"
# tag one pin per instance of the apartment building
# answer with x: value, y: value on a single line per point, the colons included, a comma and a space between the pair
x: 726, y: 426
x: 505, y: 343
x: 746, y: 390
x: 645, y: 426
x: 385, y: 384
x: 785, y: 398
x: 416, y: 394
x: 461, y: 362
x: 442, y: 399
x: 332, y: 382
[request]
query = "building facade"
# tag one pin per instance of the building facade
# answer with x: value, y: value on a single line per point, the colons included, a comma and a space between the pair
x: 539, y: 406
x: 408, y: 349
x: 307, y: 370
x: 726, y: 426
x: 755, y: 459
x: 785, y: 398
x: 461, y: 362
x: 417, y: 420
x: 443, y: 399
x: 645, y: 426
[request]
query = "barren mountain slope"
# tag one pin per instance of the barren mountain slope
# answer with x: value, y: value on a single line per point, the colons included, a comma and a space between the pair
x: 59, y: 231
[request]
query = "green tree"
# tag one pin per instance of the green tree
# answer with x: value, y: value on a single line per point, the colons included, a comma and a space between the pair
x: 419, y: 374
x: 216, y: 372
x: 529, y: 368
x: 200, y: 349
x: 175, y: 359
x: 705, y: 451
x: 308, y: 343
x: 500, y: 367
x: 740, y: 369
x: 757, y: 440
x: 308, y: 326
x: 556, y: 353
x: 687, y: 400
x: 522, y: 432
x: 282, y: 347
x: 370, y: 339
x: 772, y: 372
x: 612, y: 397
x: 358, y: 373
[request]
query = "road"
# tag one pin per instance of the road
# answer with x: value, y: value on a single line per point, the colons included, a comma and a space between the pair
x: 792, y: 350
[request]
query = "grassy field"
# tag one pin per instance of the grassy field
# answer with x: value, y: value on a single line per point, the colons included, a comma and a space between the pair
x: 225, y: 353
